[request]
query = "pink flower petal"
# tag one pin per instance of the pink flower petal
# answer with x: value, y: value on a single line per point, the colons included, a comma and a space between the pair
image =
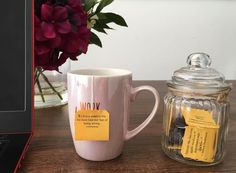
x: 50, y: 68
x: 46, y: 12
x: 75, y: 3
x: 56, y: 42
x: 48, y: 30
x: 60, y: 13
x: 42, y: 60
x: 83, y: 46
x: 63, y: 27
x: 73, y: 57
x: 36, y: 21
x: 83, y: 32
x: 39, y: 36
x: 76, y: 19
x: 62, y: 59
x: 71, y: 46
x: 41, y: 49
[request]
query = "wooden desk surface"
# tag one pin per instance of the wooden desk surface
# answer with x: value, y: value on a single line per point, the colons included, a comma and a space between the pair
x: 52, y: 149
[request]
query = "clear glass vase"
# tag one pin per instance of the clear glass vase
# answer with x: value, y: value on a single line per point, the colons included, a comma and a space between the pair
x: 53, y: 88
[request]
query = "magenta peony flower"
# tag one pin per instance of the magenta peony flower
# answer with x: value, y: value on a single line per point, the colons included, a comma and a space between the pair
x: 54, y: 21
x: 60, y: 32
x: 63, y: 30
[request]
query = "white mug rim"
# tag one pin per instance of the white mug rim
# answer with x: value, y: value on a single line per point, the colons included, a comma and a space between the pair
x: 100, y: 72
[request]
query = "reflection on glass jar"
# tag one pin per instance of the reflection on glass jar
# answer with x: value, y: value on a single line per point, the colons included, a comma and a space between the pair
x: 196, y: 113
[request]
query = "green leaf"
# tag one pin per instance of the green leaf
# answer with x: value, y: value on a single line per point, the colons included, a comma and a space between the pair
x: 97, y: 28
x: 95, y: 40
x: 100, y: 26
x: 101, y: 16
x: 102, y: 4
x: 112, y: 17
x: 88, y: 4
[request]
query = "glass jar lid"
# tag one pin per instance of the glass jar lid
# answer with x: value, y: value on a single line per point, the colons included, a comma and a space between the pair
x: 198, y: 75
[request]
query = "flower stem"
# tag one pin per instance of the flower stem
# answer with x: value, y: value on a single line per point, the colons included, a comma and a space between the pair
x: 36, y: 75
x: 40, y: 90
x: 48, y: 82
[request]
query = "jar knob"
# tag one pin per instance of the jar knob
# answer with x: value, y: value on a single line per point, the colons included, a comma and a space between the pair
x: 200, y: 60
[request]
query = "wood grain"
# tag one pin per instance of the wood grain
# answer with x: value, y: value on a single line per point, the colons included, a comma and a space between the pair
x: 52, y: 149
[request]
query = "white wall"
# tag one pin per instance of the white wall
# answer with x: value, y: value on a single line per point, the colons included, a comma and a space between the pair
x: 162, y: 33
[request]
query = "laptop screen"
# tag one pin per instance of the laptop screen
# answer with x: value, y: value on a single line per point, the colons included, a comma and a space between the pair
x: 12, y: 56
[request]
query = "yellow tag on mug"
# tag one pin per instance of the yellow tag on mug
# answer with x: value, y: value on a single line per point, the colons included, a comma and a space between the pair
x: 199, y: 118
x: 92, y: 125
x: 200, y: 143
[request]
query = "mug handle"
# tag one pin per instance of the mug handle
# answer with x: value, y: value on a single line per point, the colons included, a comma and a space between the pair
x: 134, y: 92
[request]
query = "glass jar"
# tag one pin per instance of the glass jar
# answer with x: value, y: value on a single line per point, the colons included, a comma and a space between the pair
x: 195, y: 120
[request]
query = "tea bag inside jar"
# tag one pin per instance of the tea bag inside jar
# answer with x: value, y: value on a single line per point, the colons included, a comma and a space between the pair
x: 196, y: 112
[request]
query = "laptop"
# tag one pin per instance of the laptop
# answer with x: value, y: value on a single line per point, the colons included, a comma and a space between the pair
x: 16, y: 82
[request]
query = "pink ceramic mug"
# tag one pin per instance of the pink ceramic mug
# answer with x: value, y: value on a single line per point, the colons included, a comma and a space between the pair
x: 99, y: 101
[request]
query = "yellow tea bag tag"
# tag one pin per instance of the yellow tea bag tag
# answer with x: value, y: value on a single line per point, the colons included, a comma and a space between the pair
x: 200, y: 143
x: 198, y: 117
x: 92, y: 125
